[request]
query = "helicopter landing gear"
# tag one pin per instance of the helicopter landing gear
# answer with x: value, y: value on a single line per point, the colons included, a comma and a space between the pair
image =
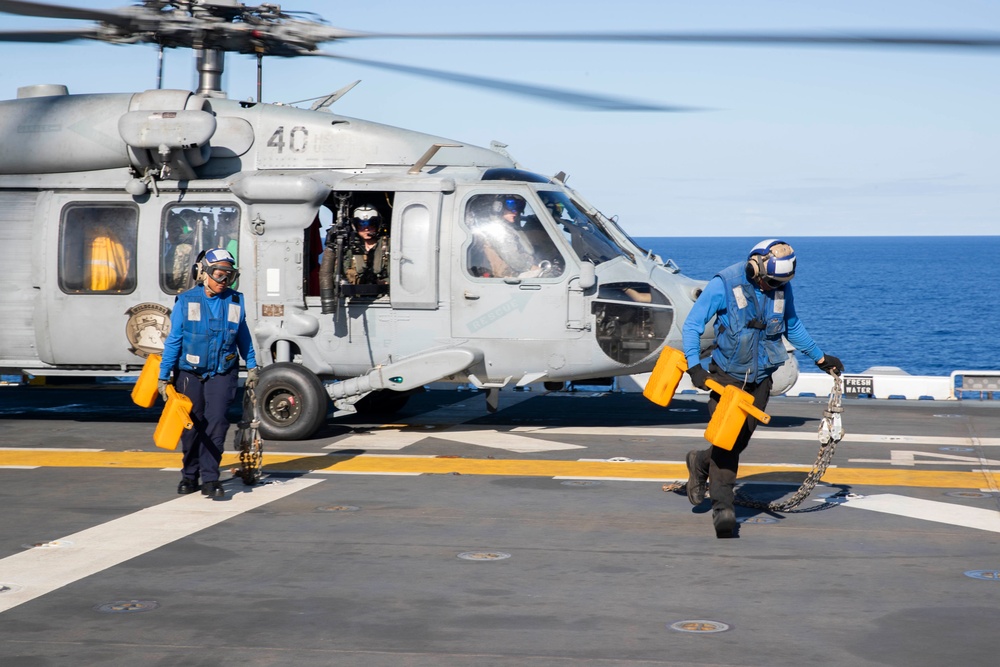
x: 291, y: 402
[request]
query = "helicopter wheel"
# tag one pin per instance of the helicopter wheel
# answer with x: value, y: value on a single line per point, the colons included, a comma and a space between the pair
x: 291, y: 402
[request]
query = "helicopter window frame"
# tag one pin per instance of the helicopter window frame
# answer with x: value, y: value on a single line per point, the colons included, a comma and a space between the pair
x: 98, y: 244
x: 481, y: 210
x: 584, y: 232
x: 174, y: 272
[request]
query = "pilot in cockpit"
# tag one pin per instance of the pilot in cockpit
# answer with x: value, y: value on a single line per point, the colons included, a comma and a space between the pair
x: 504, y: 241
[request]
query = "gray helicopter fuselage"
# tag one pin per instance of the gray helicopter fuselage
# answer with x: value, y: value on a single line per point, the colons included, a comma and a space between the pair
x: 269, y: 181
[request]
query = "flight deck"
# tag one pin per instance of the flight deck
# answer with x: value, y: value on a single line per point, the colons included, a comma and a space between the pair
x: 541, y: 534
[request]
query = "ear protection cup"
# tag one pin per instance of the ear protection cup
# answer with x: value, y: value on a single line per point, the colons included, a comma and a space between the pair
x: 756, y: 266
x: 197, y: 270
x: 496, y: 207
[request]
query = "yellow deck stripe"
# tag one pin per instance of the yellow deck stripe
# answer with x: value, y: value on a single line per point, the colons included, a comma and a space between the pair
x: 500, y: 467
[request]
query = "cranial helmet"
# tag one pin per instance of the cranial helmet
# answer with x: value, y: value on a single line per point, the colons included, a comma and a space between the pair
x: 213, y: 260
x: 511, y: 203
x: 367, y: 216
x: 771, y: 261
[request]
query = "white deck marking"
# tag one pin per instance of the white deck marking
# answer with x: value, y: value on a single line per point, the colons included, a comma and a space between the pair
x: 35, y: 572
x: 395, y: 439
x: 763, y: 433
x: 929, y: 510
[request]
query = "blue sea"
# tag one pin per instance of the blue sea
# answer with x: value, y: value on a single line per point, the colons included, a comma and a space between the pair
x: 926, y: 304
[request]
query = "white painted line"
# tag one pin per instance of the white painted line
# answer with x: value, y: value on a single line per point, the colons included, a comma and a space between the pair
x: 928, y: 510
x: 19, y: 467
x: 35, y: 572
x: 763, y: 433
x: 382, y: 438
x: 507, y: 441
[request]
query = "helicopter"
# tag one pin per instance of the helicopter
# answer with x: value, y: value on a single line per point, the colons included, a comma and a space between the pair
x: 106, y: 199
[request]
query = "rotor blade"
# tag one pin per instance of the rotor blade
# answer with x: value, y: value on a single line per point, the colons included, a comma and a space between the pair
x: 62, y: 12
x: 888, y: 40
x: 50, y: 36
x: 561, y: 96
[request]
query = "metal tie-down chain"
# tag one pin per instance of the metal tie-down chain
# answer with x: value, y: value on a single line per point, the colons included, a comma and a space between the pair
x: 248, y: 442
x: 831, y: 431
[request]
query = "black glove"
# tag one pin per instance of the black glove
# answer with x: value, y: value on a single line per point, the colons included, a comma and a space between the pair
x: 831, y: 364
x: 698, y: 376
x: 161, y: 387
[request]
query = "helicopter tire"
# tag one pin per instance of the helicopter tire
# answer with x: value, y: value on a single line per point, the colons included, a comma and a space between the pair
x: 382, y: 402
x: 291, y: 402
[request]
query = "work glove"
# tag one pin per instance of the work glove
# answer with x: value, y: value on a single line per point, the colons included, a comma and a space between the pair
x: 161, y: 388
x: 253, y: 375
x: 831, y: 364
x: 698, y: 376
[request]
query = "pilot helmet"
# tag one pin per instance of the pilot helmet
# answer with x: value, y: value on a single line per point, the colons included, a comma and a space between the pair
x: 771, y: 263
x: 367, y: 216
x: 514, y: 204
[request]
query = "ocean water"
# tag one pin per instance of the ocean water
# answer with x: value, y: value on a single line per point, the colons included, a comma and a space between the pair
x: 928, y: 305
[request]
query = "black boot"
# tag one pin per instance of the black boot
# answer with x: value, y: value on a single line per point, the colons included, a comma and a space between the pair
x: 187, y: 486
x: 213, y: 489
x: 697, y: 482
x: 724, y: 519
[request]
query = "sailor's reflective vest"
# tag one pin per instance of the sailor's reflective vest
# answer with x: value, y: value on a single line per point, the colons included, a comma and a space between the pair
x: 750, y: 344
x: 208, y: 331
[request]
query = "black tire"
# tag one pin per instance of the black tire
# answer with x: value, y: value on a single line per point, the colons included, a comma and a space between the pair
x: 291, y: 402
x: 382, y: 402
x: 554, y: 386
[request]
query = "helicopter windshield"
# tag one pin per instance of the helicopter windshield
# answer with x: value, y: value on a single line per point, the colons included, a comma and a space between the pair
x: 588, y: 237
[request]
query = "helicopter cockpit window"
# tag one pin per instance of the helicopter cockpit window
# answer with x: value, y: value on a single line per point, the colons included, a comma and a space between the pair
x: 97, y: 246
x: 590, y: 241
x: 186, y: 231
x: 508, y: 240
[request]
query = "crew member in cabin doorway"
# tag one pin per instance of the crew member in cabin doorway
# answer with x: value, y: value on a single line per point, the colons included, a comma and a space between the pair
x: 754, y: 310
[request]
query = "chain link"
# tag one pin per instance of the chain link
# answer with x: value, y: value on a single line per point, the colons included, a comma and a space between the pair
x: 248, y: 441
x: 831, y: 431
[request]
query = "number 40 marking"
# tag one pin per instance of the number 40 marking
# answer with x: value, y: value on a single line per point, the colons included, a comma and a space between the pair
x: 298, y: 139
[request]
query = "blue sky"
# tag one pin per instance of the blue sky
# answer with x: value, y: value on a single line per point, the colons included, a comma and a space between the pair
x: 798, y: 141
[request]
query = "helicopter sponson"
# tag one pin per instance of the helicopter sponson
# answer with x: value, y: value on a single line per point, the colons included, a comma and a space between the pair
x: 497, y: 276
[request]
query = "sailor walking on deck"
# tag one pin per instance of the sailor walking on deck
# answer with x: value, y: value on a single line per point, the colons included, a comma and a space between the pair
x: 753, y: 308
x: 208, y: 335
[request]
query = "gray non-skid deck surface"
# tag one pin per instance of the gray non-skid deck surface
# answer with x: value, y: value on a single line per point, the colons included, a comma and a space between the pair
x: 365, y: 569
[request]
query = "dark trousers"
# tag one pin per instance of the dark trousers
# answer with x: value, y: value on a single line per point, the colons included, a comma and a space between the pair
x: 204, y: 443
x: 724, y: 464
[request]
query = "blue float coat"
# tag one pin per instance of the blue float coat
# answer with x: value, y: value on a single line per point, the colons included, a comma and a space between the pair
x: 206, y: 333
x: 716, y: 300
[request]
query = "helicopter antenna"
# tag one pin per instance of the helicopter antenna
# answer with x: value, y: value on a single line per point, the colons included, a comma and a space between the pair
x: 159, y: 67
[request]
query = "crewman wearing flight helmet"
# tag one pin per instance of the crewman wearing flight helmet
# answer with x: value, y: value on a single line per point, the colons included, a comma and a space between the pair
x: 754, y: 309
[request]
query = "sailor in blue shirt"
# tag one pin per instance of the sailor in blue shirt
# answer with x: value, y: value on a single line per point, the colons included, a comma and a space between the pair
x: 754, y: 309
x: 208, y: 335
